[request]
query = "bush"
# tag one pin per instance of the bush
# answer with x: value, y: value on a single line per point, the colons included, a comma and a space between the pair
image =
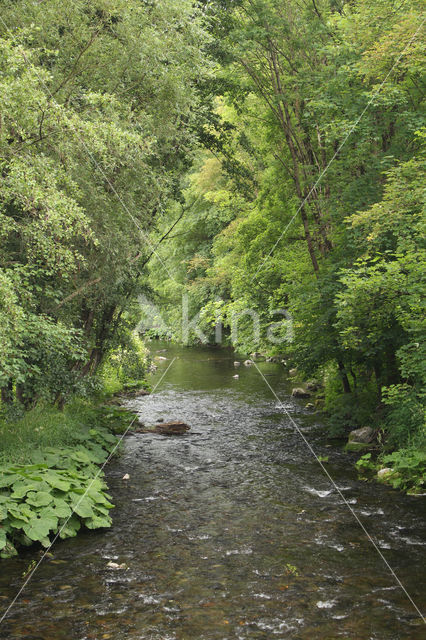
x: 128, y: 363
x: 408, y: 469
x: 405, y: 417
x: 348, y: 411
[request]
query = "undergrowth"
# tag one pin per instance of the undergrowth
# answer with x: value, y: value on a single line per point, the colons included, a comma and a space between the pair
x: 50, y: 481
x: 404, y: 469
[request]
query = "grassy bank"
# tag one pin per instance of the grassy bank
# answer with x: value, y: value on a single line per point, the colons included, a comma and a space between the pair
x: 50, y: 476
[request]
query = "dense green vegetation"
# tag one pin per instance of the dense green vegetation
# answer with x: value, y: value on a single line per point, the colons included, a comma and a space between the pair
x: 50, y: 480
x: 310, y: 199
x: 247, y: 157
x: 98, y: 111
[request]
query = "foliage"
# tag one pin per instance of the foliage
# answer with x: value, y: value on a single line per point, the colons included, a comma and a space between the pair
x: 98, y: 108
x: 323, y: 108
x: 348, y: 411
x: 61, y: 490
x: 125, y: 364
x: 222, y: 158
x: 365, y: 463
x: 407, y: 468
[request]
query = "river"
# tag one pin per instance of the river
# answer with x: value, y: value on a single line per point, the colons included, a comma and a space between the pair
x: 231, y: 532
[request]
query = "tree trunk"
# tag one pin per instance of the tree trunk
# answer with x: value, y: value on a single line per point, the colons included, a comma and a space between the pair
x: 344, y: 377
x: 7, y: 393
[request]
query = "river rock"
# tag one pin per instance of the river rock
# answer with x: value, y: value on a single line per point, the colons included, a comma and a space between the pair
x: 236, y: 377
x: 141, y: 392
x: 176, y: 428
x: 382, y: 474
x: 248, y: 363
x: 364, y: 435
x: 256, y: 355
x: 134, y: 393
x: 359, y: 447
x: 293, y: 372
x: 298, y: 392
x: 237, y: 364
x: 115, y: 565
x: 309, y: 406
x: 313, y: 385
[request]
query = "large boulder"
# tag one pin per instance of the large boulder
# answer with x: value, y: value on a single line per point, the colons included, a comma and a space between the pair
x: 360, y: 440
x: 298, y: 392
x: 364, y: 435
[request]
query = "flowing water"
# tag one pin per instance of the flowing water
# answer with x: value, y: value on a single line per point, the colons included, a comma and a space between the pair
x: 232, y: 531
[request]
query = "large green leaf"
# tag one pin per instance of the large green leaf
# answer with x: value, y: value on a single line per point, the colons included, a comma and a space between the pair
x: 38, y: 528
x: 69, y: 528
x: 7, y: 479
x: 81, y: 456
x: 55, y: 480
x: 97, y: 522
x: 60, y: 508
x: 84, y: 507
x: 39, y: 499
x: 3, y: 538
x: 100, y: 499
x: 20, y: 489
x: 20, y: 511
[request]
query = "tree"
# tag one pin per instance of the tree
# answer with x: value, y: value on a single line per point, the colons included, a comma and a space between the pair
x: 97, y: 112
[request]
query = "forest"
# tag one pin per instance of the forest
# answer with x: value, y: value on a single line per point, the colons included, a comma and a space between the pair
x: 269, y: 156
x: 163, y: 161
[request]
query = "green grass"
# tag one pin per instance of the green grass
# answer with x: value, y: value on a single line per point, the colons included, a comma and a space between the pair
x: 41, y: 427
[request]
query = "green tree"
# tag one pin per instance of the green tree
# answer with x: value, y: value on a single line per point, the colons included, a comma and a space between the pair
x: 98, y: 102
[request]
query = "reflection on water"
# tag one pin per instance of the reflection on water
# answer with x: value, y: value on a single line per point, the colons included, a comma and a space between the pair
x: 230, y: 532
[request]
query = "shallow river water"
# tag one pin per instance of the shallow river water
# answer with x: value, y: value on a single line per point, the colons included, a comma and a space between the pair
x: 230, y: 532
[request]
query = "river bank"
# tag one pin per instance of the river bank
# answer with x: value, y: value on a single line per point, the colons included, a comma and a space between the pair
x: 51, y: 478
x: 376, y: 458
